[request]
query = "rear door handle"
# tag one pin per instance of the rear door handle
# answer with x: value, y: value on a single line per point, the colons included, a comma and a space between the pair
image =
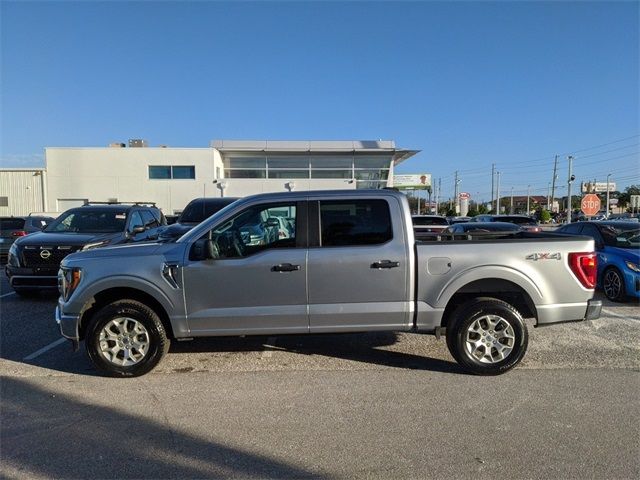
x: 385, y: 264
x: 285, y: 267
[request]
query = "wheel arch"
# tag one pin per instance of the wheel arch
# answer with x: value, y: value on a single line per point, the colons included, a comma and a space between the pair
x: 499, y: 288
x: 109, y: 295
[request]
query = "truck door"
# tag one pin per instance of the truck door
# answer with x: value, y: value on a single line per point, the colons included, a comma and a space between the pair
x: 358, y: 268
x: 256, y: 284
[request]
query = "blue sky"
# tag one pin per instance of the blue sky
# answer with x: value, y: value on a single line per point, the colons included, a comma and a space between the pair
x: 468, y: 84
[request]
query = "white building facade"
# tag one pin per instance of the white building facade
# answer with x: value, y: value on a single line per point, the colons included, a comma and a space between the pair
x: 22, y: 191
x: 171, y: 177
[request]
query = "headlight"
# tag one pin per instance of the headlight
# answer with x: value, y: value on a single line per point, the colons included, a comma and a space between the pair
x: 89, y: 246
x: 13, y: 258
x: 68, y: 280
x: 632, y: 266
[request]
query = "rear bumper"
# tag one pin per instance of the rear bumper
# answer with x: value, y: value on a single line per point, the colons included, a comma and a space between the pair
x: 571, y: 312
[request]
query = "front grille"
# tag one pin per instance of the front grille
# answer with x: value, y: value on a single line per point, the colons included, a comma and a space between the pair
x: 34, y: 257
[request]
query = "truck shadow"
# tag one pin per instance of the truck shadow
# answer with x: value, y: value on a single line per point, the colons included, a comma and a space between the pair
x: 79, y: 439
x: 357, y: 347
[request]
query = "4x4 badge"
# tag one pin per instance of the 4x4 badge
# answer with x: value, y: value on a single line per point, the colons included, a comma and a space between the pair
x: 44, y: 254
x: 544, y: 256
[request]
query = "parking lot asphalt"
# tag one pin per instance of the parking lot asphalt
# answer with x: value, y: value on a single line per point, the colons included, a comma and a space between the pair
x: 374, y: 405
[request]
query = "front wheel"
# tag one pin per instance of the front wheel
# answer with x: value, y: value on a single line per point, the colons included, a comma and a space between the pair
x: 126, y: 339
x: 487, y: 336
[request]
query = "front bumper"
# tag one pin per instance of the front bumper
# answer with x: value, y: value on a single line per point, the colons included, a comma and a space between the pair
x: 32, y: 278
x: 68, y: 325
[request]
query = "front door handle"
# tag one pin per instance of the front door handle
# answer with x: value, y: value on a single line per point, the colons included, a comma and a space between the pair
x: 385, y: 264
x: 285, y: 267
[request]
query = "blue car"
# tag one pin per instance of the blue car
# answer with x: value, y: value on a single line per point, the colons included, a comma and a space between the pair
x: 618, y: 247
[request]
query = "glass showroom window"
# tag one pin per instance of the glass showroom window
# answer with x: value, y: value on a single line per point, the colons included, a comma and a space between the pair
x: 167, y: 172
x: 332, y: 166
x: 245, y: 166
x: 288, y: 166
x: 371, y: 171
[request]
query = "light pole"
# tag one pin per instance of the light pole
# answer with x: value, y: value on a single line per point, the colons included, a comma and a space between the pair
x: 548, y: 196
x: 607, y: 214
x: 498, y: 195
x: 528, y: 195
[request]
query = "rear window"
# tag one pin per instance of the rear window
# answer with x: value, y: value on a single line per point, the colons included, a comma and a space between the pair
x: 429, y: 221
x: 11, y: 223
x: 198, y: 210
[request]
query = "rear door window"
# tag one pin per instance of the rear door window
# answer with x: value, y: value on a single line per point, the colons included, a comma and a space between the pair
x: 354, y: 222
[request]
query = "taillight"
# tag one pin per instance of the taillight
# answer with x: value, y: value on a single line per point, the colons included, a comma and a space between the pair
x: 585, y: 267
x: 18, y: 233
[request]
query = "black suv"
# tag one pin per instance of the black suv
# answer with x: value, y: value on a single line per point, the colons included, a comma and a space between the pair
x: 195, y: 212
x: 34, y: 260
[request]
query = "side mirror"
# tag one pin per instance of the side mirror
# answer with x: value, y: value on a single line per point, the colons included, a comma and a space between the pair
x: 203, y: 249
x: 137, y: 230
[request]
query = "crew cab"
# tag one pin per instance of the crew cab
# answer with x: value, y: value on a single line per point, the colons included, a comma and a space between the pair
x: 351, y: 264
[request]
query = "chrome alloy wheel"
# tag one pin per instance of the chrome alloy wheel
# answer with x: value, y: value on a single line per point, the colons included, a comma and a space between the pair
x: 612, y: 284
x: 490, y: 339
x: 124, y: 341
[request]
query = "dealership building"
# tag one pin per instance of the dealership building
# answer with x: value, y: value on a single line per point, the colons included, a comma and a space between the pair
x: 171, y: 177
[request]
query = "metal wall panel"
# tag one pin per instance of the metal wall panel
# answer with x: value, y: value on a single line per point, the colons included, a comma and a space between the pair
x: 23, y: 189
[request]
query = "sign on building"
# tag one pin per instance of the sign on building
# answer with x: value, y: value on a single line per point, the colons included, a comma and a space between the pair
x: 417, y: 181
x: 597, y: 187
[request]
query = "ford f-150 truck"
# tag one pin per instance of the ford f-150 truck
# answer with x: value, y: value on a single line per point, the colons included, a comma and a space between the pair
x: 349, y: 264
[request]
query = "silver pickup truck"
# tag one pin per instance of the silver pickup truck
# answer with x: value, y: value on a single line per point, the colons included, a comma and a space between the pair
x: 322, y: 262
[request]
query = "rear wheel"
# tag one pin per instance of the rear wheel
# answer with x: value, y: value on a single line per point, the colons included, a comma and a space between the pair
x: 126, y: 339
x: 613, y: 285
x: 487, y: 336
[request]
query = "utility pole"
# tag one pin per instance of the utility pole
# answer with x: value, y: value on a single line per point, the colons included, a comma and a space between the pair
x: 548, y: 197
x: 498, y: 195
x: 528, y: 195
x: 553, y: 184
x: 570, y: 180
x: 493, y: 173
x: 456, y: 199
x: 607, y: 213
x: 511, y: 206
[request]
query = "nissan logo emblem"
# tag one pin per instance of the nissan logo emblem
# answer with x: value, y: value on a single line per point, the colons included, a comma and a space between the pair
x: 45, y: 254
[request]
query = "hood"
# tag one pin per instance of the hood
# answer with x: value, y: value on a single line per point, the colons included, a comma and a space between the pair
x: 71, y: 239
x: 124, y: 252
x: 630, y: 254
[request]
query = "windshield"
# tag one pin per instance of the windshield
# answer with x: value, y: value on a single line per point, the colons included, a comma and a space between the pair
x: 621, y: 238
x: 89, y: 221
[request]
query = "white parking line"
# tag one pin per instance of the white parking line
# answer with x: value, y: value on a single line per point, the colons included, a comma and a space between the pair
x: 45, y: 349
x: 271, y: 342
x: 7, y: 294
x: 617, y: 315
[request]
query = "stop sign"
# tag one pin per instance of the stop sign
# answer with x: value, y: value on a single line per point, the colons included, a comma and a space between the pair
x: 590, y: 204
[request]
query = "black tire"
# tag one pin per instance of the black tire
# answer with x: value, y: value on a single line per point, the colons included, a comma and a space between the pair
x: 462, y: 329
x: 154, y: 335
x: 613, y: 285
